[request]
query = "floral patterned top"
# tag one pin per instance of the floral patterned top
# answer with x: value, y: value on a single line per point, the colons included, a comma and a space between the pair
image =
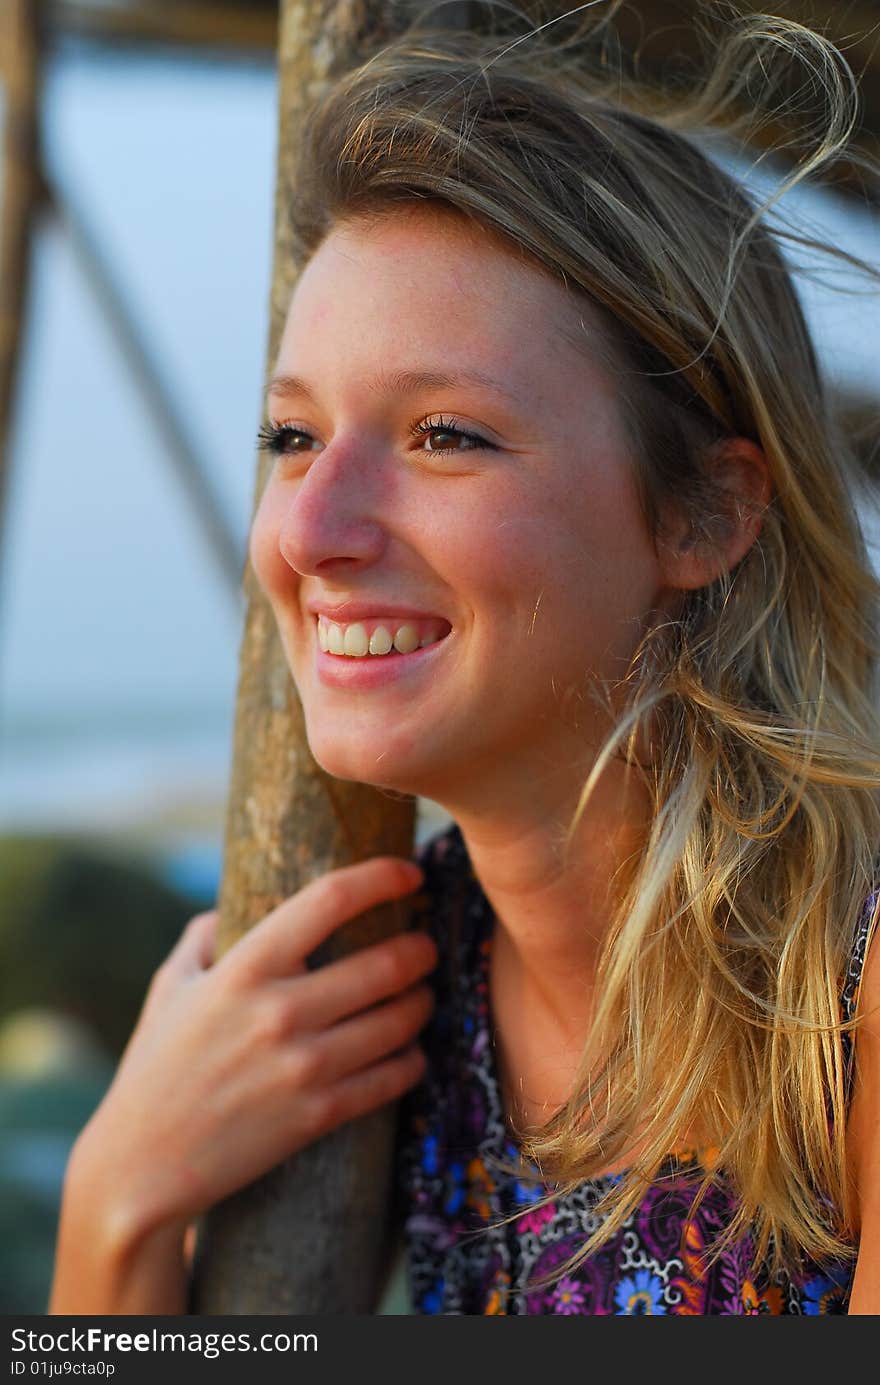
x: 453, y: 1190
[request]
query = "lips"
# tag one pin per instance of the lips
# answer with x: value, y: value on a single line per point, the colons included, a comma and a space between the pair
x: 375, y: 671
x: 347, y: 612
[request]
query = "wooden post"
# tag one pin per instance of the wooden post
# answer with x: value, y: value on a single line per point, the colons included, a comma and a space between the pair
x: 309, y: 1237
x: 19, y: 193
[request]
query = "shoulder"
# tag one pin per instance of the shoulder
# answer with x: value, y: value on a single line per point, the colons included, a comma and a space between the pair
x: 863, y: 1124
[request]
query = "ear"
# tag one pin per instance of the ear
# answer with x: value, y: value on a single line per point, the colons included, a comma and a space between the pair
x: 687, y: 562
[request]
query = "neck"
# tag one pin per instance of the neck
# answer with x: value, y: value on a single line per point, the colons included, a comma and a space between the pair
x: 553, y: 905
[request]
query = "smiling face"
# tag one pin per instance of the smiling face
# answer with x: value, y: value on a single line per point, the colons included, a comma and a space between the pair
x: 509, y: 525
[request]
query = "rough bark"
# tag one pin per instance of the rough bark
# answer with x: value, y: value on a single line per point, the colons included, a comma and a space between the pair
x: 309, y: 1237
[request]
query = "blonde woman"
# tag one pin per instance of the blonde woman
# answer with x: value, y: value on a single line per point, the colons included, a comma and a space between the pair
x: 560, y: 535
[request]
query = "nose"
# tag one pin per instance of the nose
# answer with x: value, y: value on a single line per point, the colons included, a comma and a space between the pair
x: 335, y: 513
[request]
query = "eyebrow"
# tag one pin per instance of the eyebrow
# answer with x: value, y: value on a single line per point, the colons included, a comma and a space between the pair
x: 400, y: 382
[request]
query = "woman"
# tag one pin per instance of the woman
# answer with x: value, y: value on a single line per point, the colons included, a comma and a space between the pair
x: 560, y: 536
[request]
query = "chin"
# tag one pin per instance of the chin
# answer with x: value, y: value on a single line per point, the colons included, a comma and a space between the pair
x: 355, y: 763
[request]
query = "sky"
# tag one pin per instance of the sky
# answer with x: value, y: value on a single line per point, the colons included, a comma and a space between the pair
x: 119, y: 635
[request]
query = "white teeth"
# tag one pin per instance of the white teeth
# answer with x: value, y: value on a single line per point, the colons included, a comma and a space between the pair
x: 380, y: 640
x: 355, y: 640
x: 406, y: 639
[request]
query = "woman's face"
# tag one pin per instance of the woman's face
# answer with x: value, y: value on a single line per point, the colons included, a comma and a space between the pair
x: 500, y: 516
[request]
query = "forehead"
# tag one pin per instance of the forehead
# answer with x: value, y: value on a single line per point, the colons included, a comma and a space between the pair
x: 418, y: 273
x: 416, y: 237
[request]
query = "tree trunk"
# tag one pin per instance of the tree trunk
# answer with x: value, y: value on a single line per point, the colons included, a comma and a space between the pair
x: 310, y: 1236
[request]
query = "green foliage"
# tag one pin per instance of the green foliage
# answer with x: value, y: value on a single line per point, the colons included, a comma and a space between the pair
x: 82, y: 933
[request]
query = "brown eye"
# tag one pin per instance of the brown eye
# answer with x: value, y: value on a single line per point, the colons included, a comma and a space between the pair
x: 282, y: 438
x: 446, y: 431
x: 292, y: 437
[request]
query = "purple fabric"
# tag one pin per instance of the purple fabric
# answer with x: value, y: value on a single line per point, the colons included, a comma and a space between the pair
x: 459, y: 1171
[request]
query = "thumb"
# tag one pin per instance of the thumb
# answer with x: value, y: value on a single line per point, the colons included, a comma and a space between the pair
x: 195, y: 948
x: 191, y: 954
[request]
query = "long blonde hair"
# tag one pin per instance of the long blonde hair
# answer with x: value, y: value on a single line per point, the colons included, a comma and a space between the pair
x: 720, y: 979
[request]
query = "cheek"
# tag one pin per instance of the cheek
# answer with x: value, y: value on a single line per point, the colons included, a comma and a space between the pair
x: 272, y: 572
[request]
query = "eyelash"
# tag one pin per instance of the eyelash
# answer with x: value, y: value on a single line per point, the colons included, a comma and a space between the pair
x: 271, y: 436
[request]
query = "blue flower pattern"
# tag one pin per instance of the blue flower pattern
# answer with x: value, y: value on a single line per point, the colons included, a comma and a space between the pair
x: 826, y: 1293
x: 640, y: 1293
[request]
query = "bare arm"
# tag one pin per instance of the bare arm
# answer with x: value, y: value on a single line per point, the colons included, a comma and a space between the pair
x: 232, y: 1067
x: 97, y: 1272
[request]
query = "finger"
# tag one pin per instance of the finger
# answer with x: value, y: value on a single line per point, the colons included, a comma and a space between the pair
x: 350, y: 1046
x: 344, y: 987
x: 195, y: 948
x: 367, y: 1090
x: 281, y: 942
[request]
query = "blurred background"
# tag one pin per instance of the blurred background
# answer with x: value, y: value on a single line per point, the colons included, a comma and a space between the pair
x: 127, y: 488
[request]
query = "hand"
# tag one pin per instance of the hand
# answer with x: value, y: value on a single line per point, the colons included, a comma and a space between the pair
x: 237, y: 1064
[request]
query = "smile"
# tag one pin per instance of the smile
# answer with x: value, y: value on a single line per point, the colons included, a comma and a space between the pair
x: 379, y: 637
